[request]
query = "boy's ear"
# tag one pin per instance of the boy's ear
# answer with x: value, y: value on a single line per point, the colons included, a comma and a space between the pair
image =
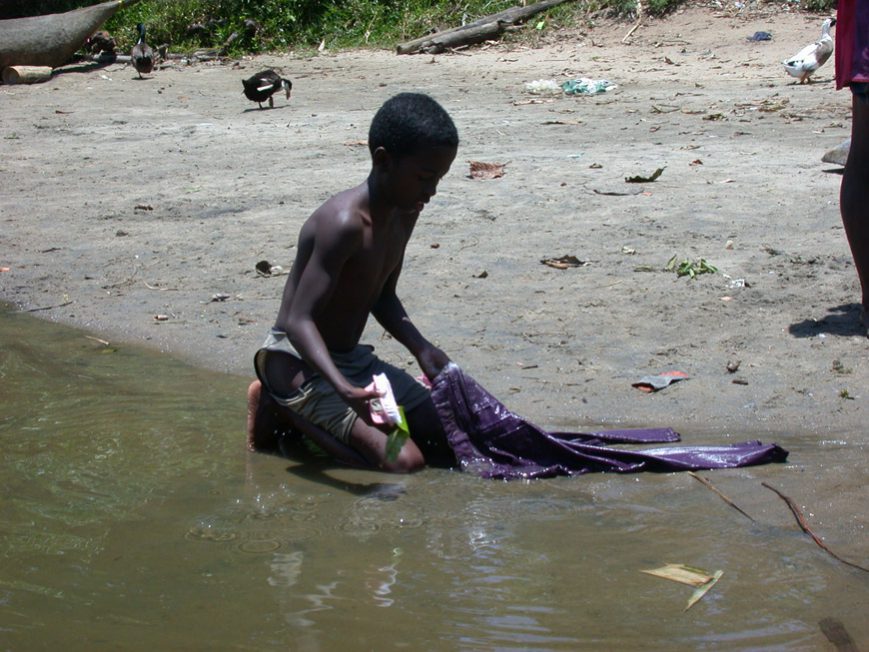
x: 380, y: 157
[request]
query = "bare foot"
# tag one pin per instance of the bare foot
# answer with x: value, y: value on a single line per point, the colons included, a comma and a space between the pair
x: 262, y: 423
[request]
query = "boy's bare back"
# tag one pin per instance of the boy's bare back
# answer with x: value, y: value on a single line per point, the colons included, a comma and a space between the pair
x: 345, y: 258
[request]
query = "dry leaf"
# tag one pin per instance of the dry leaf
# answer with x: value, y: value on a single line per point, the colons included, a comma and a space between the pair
x: 564, y: 262
x: 642, y: 179
x: 481, y: 170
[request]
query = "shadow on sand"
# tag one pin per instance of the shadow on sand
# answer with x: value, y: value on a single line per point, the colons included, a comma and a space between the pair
x: 841, y: 320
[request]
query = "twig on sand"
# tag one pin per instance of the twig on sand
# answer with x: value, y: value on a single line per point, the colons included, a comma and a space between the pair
x: 637, y: 24
x: 720, y: 494
x: 58, y: 305
x: 801, y: 521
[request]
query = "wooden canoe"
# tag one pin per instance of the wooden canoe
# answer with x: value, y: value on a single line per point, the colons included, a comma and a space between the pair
x: 52, y: 39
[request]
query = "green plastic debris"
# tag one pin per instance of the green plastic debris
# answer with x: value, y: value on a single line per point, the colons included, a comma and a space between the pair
x: 586, y: 86
x: 397, y: 438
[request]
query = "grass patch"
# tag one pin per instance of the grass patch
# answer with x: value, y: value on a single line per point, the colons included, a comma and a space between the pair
x: 300, y: 24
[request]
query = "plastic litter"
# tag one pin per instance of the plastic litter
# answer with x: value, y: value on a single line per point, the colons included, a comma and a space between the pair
x: 759, y: 36
x: 659, y: 381
x: 586, y: 86
x: 543, y: 87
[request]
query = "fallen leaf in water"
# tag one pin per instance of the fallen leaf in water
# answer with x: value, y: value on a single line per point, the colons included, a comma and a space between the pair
x: 700, y: 591
x: 681, y: 573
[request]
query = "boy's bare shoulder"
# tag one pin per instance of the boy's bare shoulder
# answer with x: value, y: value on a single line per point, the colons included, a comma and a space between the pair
x: 339, y: 218
x: 342, y: 209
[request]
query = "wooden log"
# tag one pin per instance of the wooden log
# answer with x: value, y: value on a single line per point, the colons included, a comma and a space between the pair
x: 26, y: 74
x: 477, y: 31
x: 52, y: 39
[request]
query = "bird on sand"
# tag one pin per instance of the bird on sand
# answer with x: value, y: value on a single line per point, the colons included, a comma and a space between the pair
x: 261, y: 86
x: 142, y: 55
x: 805, y: 62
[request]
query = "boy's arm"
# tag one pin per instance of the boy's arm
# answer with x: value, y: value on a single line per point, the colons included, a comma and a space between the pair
x: 390, y: 313
x: 335, y: 241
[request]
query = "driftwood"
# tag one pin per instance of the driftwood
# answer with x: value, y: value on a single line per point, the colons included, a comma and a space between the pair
x: 478, y: 31
x: 26, y: 74
x: 52, y: 39
x: 637, y: 24
x: 804, y: 526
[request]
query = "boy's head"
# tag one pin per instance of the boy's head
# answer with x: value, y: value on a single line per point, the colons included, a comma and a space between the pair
x: 408, y: 122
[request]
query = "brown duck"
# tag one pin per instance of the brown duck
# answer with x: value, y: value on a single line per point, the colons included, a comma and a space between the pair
x: 142, y: 55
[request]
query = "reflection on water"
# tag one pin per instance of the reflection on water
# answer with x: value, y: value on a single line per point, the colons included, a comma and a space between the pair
x: 132, y: 517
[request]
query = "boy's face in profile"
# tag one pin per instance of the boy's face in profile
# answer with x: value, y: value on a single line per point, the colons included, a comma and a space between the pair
x: 412, y: 180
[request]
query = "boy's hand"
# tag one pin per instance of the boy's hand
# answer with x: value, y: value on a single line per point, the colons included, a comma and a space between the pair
x: 432, y: 360
x: 357, y: 398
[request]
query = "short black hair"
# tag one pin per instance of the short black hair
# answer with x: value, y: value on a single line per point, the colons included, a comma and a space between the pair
x: 408, y: 122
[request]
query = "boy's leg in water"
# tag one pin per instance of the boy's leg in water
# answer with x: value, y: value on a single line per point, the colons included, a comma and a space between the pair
x: 264, y: 423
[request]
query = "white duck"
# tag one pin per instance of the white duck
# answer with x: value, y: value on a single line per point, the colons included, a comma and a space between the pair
x: 805, y: 62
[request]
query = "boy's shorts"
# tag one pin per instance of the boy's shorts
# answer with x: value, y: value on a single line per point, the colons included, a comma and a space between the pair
x: 317, y: 401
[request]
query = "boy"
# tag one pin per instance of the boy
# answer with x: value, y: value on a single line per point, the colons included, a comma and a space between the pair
x: 852, y: 69
x: 349, y: 257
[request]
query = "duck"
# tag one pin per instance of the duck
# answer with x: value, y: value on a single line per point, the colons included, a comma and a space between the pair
x: 261, y: 86
x: 805, y: 62
x: 142, y: 55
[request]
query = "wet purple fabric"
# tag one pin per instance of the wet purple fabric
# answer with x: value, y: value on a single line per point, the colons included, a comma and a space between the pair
x: 491, y: 441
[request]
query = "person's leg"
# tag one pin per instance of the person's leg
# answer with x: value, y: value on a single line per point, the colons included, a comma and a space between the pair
x: 370, y: 442
x: 266, y: 419
x: 854, y: 195
x: 263, y: 420
x: 426, y: 429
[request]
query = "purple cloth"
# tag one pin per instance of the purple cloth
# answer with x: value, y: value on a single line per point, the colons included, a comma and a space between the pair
x: 491, y: 441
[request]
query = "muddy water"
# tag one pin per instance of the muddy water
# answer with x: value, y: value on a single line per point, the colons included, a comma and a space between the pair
x: 131, y: 517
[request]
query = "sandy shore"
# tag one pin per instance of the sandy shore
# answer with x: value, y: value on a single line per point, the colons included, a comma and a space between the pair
x: 125, y: 200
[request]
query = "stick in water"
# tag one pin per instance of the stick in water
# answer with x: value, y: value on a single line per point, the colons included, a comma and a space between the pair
x: 720, y: 494
x: 805, y: 528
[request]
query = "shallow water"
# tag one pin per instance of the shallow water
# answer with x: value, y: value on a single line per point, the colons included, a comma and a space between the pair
x: 132, y: 517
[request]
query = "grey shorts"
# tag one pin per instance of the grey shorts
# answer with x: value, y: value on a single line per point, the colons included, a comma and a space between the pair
x: 317, y: 401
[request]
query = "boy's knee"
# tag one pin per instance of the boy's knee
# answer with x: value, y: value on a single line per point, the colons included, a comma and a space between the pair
x: 409, y: 460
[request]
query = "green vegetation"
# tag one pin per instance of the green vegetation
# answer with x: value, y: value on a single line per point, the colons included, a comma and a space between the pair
x: 299, y: 24
x: 283, y: 24
x: 690, y: 268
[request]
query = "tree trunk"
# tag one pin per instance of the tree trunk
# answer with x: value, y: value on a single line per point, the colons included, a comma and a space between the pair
x: 480, y: 30
x: 26, y: 74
